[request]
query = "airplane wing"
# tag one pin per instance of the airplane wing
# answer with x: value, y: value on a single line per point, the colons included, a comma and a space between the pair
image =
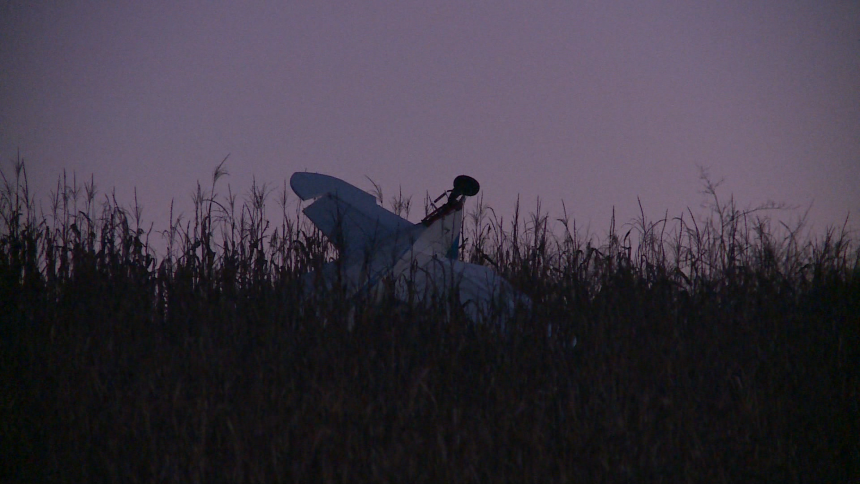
x: 348, y: 216
x: 482, y: 293
x: 314, y: 185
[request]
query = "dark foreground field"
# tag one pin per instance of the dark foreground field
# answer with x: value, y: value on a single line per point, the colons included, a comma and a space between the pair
x: 714, y: 350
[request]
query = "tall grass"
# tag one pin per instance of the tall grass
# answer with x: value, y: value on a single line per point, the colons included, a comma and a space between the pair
x: 680, y: 350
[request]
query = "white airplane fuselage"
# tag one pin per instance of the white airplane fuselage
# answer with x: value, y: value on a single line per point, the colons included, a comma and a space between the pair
x: 419, y: 259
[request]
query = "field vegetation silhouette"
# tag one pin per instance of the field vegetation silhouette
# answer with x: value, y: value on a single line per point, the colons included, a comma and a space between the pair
x: 718, y: 349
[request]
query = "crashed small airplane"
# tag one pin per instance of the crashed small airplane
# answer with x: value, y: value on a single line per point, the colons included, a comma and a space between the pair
x: 421, y: 259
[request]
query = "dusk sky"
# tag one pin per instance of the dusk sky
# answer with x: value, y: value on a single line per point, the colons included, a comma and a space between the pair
x: 593, y: 103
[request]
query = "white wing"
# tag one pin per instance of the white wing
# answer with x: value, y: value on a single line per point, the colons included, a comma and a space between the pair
x: 483, y: 294
x: 310, y: 186
x: 348, y: 216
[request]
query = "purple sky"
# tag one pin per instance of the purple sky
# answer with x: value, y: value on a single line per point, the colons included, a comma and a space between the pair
x: 594, y: 103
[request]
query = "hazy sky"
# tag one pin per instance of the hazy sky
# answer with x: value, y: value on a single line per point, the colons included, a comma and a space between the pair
x: 594, y: 103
